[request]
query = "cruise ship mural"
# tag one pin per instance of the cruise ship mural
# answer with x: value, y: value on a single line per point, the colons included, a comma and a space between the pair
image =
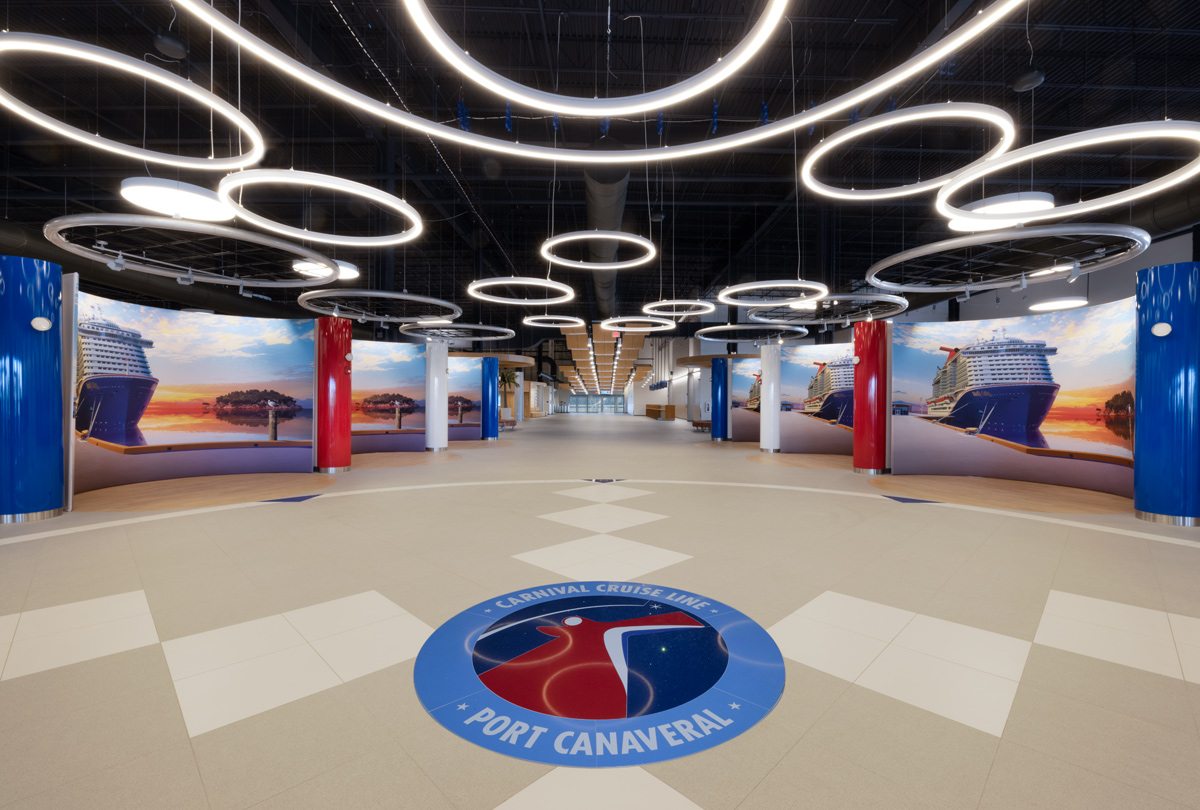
x: 831, y: 391
x: 113, y: 382
x: 999, y: 385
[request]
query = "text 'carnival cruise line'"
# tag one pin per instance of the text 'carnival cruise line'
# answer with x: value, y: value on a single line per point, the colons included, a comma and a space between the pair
x: 998, y: 385
x: 831, y: 392
x: 113, y: 380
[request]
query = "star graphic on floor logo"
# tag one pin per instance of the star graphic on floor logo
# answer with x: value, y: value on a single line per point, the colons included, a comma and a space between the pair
x: 596, y: 674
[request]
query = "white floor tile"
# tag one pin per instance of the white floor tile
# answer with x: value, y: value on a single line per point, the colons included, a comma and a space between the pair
x: 214, y: 649
x: 601, y: 568
x: 650, y: 558
x: 1185, y: 629
x: 601, y: 556
x: 39, y: 653
x: 1189, y: 659
x: 377, y: 646
x: 860, y: 616
x: 1129, y: 648
x: 1117, y: 615
x: 979, y: 649
x: 965, y: 695
x: 8, y: 626
x: 602, y: 517
x: 604, y: 493
x: 81, y: 614
x: 598, y: 789
x: 340, y: 615
x: 223, y: 696
x: 553, y: 557
x: 832, y: 650
x: 601, y: 544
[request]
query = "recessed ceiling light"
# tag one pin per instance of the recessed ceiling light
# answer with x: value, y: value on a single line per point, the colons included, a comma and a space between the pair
x: 313, y: 270
x: 173, y: 198
x: 1056, y: 304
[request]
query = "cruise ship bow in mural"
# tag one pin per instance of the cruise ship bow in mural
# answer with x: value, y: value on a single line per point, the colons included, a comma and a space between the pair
x: 831, y: 391
x: 113, y: 383
x: 997, y: 385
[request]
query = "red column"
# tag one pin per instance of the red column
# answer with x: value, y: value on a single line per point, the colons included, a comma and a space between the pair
x: 872, y: 397
x: 332, y: 403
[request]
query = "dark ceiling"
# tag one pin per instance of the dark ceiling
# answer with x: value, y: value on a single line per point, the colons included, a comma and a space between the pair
x: 716, y: 219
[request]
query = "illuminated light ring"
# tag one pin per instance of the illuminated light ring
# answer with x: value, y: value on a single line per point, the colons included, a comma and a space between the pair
x: 475, y: 290
x: 456, y: 331
x: 506, y: 88
x: 308, y: 299
x: 1059, y: 304
x: 174, y: 198
x: 44, y: 44
x: 951, y: 110
x: 1139, y: 238
x: 548, y: 246
x: 803, y: 317
x: 53, y: 231
x: 698, y: 307
x: 552, y: 320
x: 707, y: 332
x: 659, y: 324
x: 1184, y: 130
x: 816, y: 289
x: 290, y: 177
x: 928, y: 58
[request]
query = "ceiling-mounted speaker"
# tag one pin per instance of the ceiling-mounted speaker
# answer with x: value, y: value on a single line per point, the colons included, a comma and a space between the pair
x: 1029, y: 80
x: 170, y: 45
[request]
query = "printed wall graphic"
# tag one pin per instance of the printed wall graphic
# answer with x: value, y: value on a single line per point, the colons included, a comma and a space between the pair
x: 1047, y: 397
x: 465, y: 391
x: 745, y: 386
x: 817, y: 399
x: 389, y: 386
x: 599, y: 674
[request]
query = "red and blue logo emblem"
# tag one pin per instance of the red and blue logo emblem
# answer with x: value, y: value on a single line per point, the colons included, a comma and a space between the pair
x: 599, y: 674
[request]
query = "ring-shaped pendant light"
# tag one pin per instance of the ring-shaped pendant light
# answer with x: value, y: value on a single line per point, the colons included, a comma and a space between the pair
x: 768, y: 332
x: 43, y: 44
x: 656, y: 324
x: 548, y: 246
x: 671, y: 308
x: 1177, y: 130
x: 291, y: 177
x: 808, y: 291
x: 1059, y: 304
x: 952, y: 111
x: 837, y: 308
x: 506, y: 88
x: 555, y: 321
x: 174, y: 198
x: 1088, y: 262
x: 53, y: 231
x: 977, y: 25
x: 314, y: 302
x: 460, y: 331
x: 476, y: 290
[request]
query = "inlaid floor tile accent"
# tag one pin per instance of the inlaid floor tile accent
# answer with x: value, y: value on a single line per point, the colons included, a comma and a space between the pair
x: 602, y: 556
x: 604, y: 493
x: 598, y: 789
x: 602, y: 517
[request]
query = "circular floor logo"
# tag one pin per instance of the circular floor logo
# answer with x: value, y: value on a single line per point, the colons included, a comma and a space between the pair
x: 599, y: 674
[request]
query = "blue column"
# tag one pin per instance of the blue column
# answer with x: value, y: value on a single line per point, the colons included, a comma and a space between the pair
x: 31, y: 398
x: 720, y: 399
x: 1166, y: 435
x: 491, y: 398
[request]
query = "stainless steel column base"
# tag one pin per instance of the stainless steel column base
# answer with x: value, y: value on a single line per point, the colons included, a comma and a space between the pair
x: 491, y: 438
x: 719, y: 440
x: 30, y: 517
x: 436, y: 449
x: 331, y: 470
x: 884, y: 471
x: 1167, y: 520
x: 768, y: 450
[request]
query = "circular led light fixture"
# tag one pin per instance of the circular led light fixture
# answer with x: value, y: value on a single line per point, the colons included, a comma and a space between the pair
x: 587, y: 236
x: 852, y: 307
x: 41, y: 324
x: 475, y: 290
x: 808, y: 291
x: 949, y: 111
x: 116, y: 260
x: 42, y: 44
x: 173, y: 198
x: 1020, y: 202
x: 757, y: 333
x: 346, y: 270
x: 1056, y: 304
x: 1161, y: 329
x: 459, y: 331
x: 679, y: 308
x: 1175, y: 130
x: 1089, y: 259
x: 595, y: 107
x: 552, y: 320
x: 290, y: 177
x: 653, y: 323
x: 348, y: 302
x: 916, y: 66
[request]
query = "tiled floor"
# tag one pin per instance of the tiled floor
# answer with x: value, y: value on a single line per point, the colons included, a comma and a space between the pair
x: 261, y: 656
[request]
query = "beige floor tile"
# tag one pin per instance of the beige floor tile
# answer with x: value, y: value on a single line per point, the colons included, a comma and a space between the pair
x: 48, y: 588
x: 598, y: 789
x: 991, y: 612
x: 175, y: 620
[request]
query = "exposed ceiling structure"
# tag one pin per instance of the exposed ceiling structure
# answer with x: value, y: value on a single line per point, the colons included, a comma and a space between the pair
x: 716, y: 220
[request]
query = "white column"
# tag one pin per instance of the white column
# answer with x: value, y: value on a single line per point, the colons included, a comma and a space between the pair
x: 770, y: 394
x: 519, y: 398
x: 437, y: 382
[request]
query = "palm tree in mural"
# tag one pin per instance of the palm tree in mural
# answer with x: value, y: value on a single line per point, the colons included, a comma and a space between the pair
x: 508, y: 384
x: 462, y: 404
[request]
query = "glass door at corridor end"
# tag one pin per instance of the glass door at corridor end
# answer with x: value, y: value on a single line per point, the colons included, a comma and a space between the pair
x: 596, y: 403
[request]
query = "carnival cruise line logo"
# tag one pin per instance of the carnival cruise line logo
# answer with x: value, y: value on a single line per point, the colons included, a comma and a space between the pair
x: 599, y: 674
